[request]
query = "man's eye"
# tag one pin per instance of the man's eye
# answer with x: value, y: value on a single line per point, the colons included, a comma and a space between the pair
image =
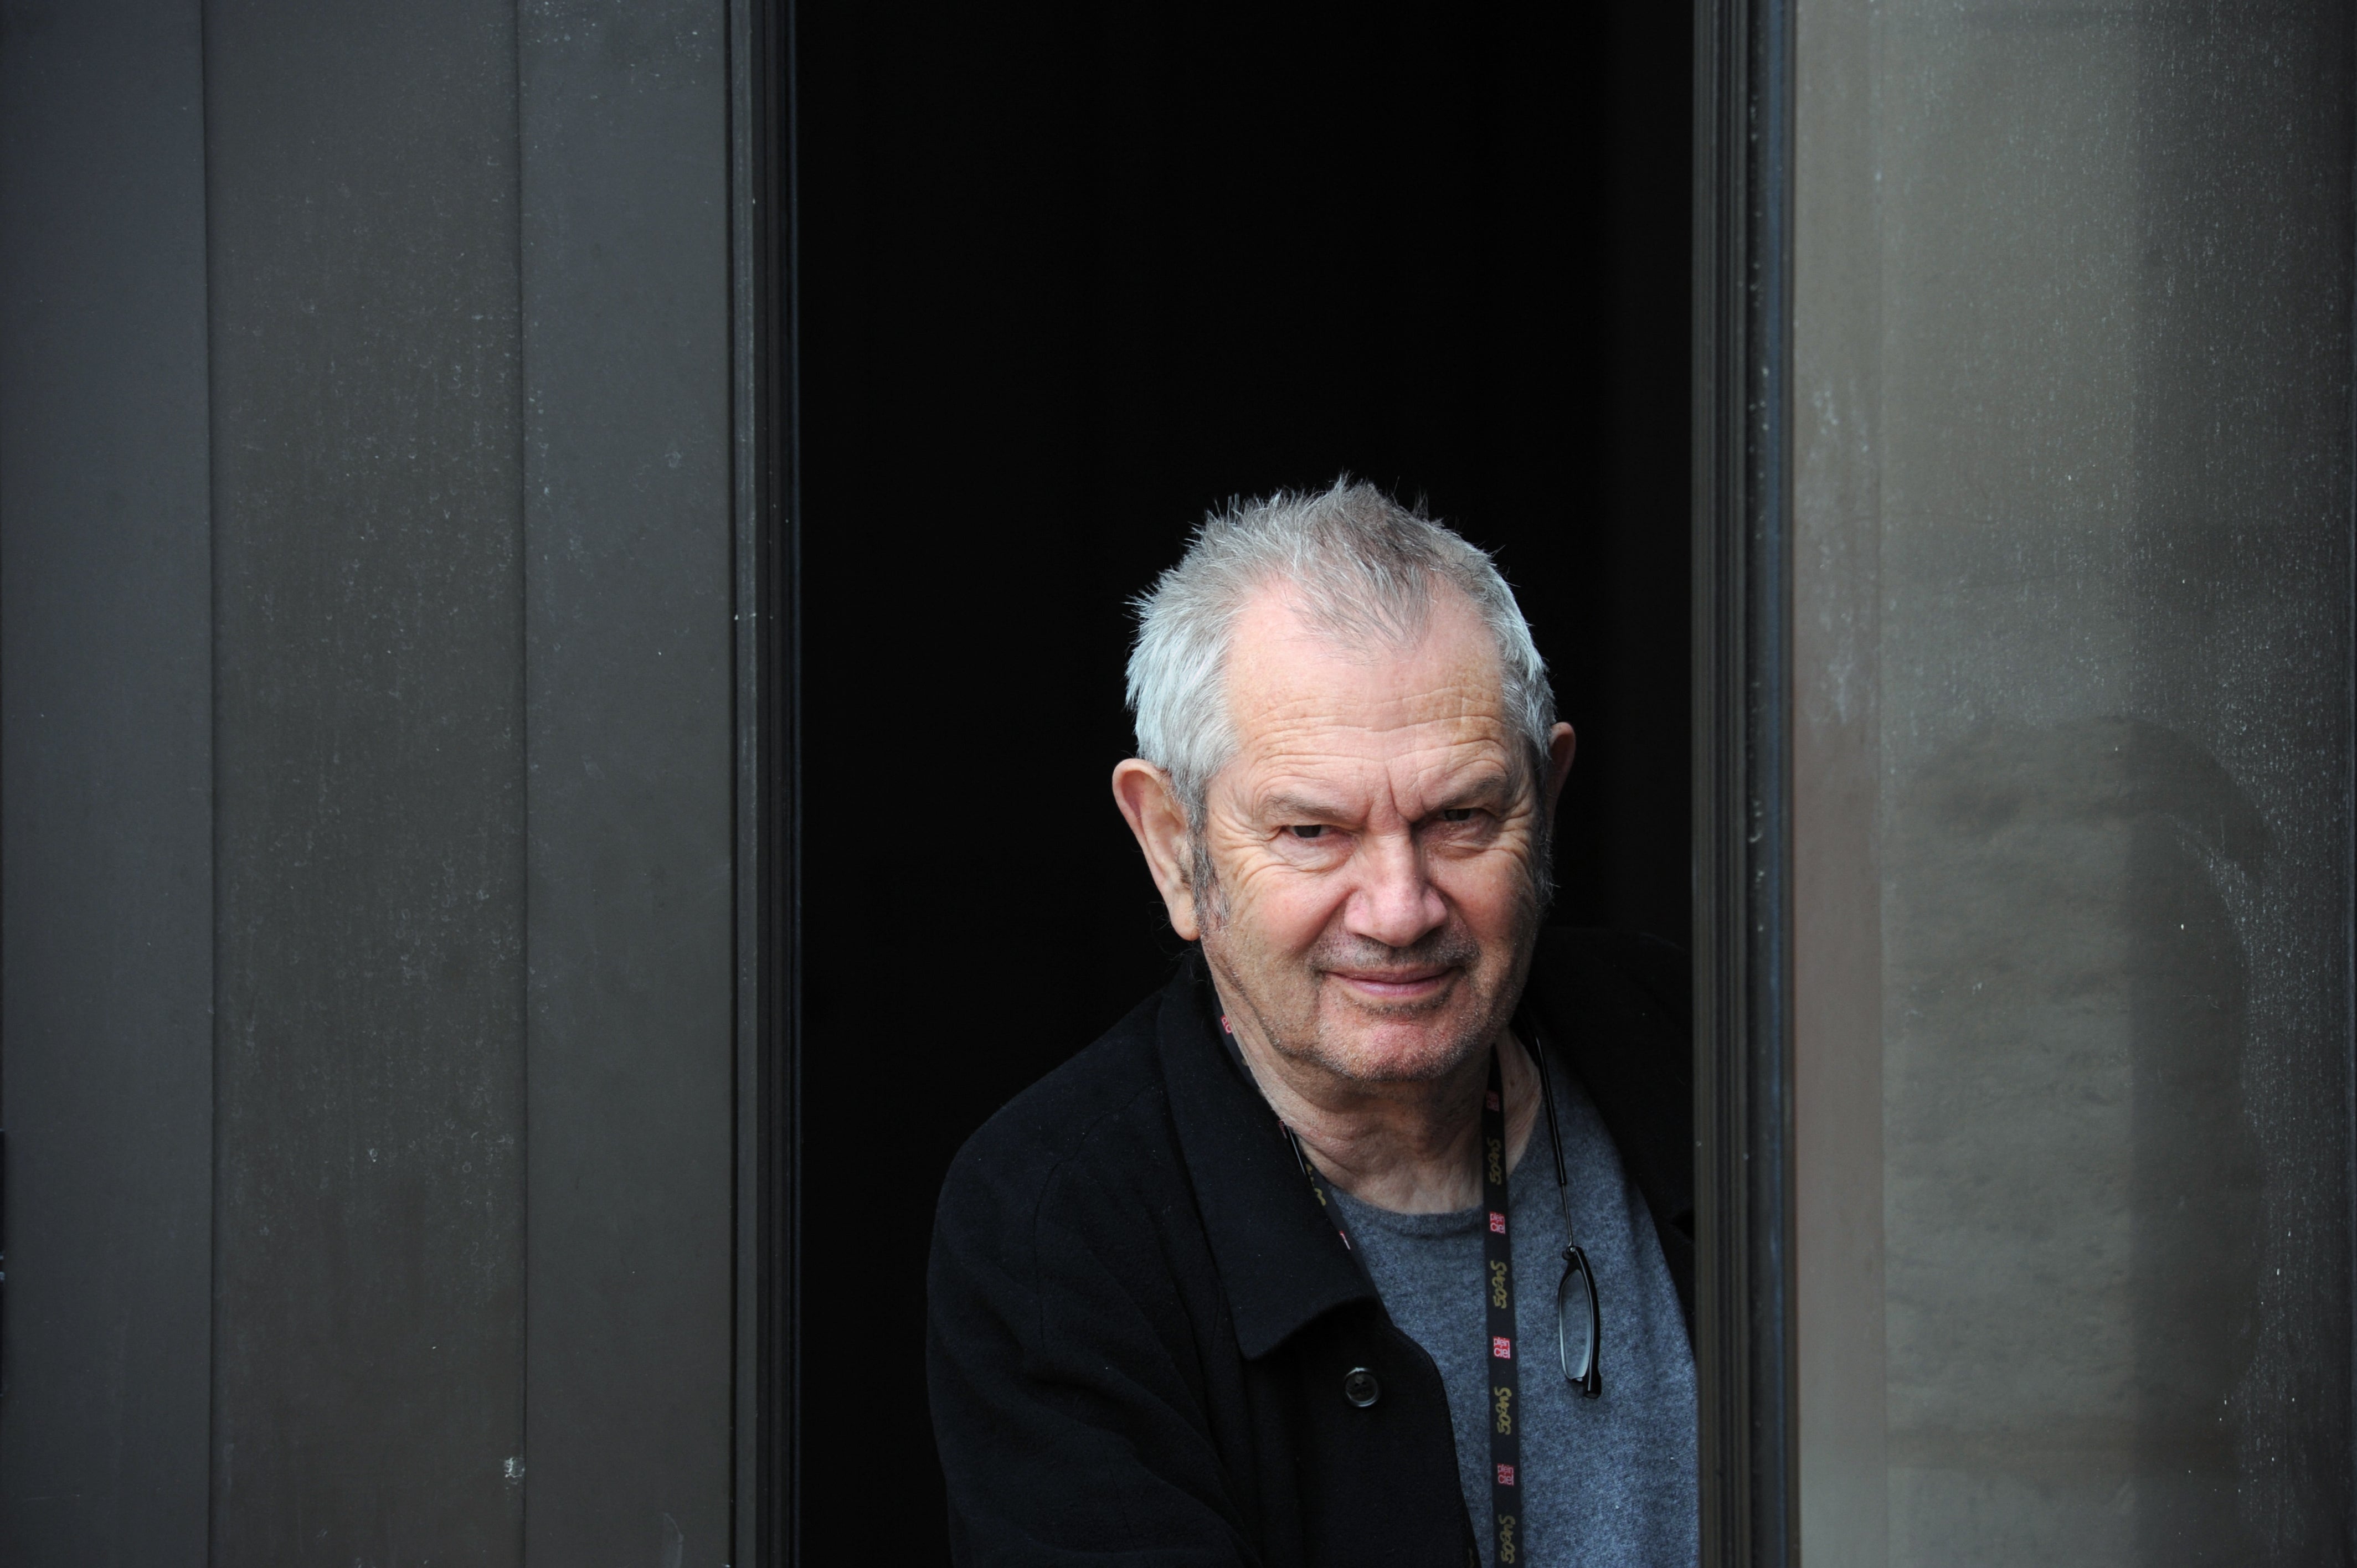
x: 1458, y: 814
x: 1308, y: 832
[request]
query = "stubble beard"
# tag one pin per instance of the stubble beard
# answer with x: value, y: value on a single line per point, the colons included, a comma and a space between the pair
x: 1304, y: 1016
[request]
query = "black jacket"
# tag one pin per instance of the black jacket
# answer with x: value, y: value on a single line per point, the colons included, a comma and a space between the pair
x: 1140, y: 1322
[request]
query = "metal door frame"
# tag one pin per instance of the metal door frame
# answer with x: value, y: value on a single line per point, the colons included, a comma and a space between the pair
x: 767, y: 474
x: 1742, y: 779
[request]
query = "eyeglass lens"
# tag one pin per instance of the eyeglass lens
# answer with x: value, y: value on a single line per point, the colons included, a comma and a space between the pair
x: 1578, y: 1324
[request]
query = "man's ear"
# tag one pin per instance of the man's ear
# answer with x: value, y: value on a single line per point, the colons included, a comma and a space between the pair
x: 1147, y: 801
x: 1561, y: 744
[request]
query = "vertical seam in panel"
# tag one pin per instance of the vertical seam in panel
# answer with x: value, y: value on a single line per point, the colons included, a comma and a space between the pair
x: 522, y: 1479
x: 733, y: 56
x: 1770, y: 786
x: 791, y: 544
x: 2349, y: 791
x: 214, y: 782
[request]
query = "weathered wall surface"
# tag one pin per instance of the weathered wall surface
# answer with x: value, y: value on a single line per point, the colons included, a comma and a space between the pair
x: 2074, y: 586
x: 106, y: 868
x: 366, y: 783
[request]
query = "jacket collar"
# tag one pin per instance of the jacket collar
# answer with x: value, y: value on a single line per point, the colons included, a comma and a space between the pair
x: 1280, y: 1258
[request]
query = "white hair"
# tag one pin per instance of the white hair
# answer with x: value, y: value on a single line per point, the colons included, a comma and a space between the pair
x: 1362, y: 566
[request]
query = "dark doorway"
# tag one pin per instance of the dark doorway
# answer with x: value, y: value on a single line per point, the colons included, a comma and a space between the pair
x: 1069, y: 275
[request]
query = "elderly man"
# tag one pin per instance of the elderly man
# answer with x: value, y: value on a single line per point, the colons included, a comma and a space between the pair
x: 1368, y: 1240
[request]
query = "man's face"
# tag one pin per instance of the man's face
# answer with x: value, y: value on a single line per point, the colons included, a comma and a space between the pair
x: 1371, y: 841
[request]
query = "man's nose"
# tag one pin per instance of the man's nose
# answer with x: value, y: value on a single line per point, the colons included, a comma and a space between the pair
x: 1396, y: 903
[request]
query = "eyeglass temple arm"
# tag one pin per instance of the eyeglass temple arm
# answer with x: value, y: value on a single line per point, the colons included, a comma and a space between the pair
x: 1554, y: 1128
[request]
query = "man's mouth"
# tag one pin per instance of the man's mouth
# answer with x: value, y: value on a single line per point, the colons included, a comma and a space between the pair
x: 1417, y: 984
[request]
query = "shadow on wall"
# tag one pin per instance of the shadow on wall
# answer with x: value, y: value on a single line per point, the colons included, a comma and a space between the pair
x: 2073, y: 1188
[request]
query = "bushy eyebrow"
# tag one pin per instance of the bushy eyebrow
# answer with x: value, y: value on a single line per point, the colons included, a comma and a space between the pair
x: 1484, y: 786
x: 1299, y: 808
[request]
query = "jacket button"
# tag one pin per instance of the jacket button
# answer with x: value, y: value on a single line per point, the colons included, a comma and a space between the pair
x: 1361, y: 1388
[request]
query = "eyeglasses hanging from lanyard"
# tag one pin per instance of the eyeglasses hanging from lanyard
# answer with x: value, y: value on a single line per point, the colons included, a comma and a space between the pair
x: 1578, y: 1321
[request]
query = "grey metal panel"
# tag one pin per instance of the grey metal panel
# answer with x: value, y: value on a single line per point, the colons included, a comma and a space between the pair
x: 367, y: 470
x: 1841, y: 1394
x: 105, y: 784
x: 2075, y: 459
x: 627, y: 320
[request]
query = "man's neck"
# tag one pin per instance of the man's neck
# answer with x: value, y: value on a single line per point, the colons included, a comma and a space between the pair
x: 1411, y: 1147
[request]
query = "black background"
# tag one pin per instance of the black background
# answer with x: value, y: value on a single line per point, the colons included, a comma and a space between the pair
x: 1069, y: 275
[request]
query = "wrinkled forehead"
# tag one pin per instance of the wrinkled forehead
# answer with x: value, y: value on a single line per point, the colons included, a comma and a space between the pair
x: 1294, y: 686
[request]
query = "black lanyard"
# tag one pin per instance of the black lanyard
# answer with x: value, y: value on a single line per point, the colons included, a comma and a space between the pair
x: 1504, y: 1360
x: 1504, y: 1363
